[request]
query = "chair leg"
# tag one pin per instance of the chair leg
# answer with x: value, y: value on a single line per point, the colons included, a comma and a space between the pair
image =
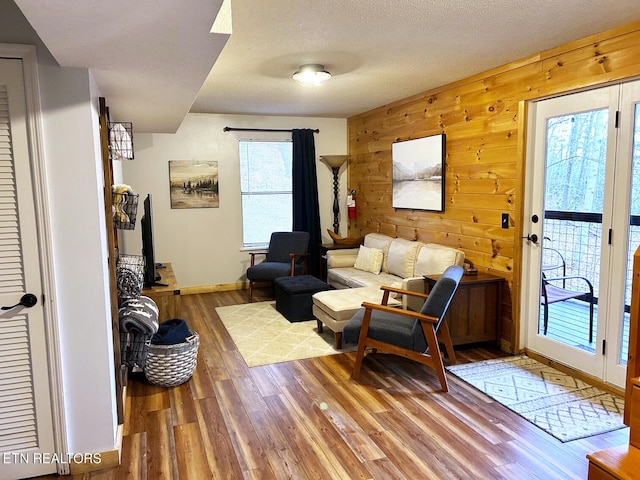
x: 362, y: 340
x: 546, y: 317
x: 436, y: 358
x: 358, y: 365
x: 445, y: 337
x: 250, y: 291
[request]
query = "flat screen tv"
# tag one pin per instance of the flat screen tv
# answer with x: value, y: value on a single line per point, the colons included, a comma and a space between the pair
x: 151, y: 276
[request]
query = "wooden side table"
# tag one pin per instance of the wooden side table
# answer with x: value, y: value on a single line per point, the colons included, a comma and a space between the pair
x: 167, y: 298
x: 474, y: 313
x: 623, y: 461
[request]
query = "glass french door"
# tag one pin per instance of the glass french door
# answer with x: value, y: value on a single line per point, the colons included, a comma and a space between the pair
x: 626, y: 230
x: 580, y: 217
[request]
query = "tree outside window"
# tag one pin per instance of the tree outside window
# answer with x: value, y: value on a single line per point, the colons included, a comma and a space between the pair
x: 266, y: 189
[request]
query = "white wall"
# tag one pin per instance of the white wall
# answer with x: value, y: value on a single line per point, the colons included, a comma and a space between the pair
x: 74, y: 182
x: 204, y: 244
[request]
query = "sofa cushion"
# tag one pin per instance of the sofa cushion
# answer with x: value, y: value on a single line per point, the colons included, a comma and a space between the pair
x: 433, y: 259
x: 352, y: 277
x: 364, y: 279
x: 369, y: 259
x: 382, y: 242
x: 402, y: 256
x: 339, y: 277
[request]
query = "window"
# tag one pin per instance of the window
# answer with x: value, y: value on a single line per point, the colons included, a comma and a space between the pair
x: 265, y: 186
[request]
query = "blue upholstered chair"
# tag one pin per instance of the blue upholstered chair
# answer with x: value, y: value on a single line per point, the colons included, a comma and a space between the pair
x: 407, y: 333
x: 287, y: 255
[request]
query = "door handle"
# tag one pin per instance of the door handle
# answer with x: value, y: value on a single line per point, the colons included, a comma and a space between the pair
x: 532, y: 238
x: 28, y: 300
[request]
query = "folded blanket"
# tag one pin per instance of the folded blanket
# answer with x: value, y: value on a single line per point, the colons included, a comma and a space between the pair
x: 139, y: 315
x: 129, y: 283
x: 171, y: 332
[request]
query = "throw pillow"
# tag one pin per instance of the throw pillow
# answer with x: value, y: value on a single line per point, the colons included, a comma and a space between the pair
x: 369, y: 259
x: 402, y: 256
x: 382, y: 242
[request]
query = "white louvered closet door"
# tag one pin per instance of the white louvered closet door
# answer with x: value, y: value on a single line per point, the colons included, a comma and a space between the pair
x: 26, y: 433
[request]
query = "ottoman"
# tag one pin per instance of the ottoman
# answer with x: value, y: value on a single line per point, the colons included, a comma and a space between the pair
x: 336, y: 307
x: 293, y: 296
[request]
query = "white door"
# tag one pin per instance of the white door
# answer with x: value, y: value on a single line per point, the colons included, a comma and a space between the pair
x: 26, y: 429
x: 625, y: 237
x: 580, y: 228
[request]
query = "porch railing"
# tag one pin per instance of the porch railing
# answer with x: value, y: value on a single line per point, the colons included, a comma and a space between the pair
x: 578, y: 237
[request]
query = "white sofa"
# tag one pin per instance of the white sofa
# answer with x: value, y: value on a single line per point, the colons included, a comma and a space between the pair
x: 358, y: 274
x: 404, y: 263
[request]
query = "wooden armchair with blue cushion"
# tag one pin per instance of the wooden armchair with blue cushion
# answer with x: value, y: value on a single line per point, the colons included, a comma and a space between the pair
x: 407, y: 333
x: 287, y: 255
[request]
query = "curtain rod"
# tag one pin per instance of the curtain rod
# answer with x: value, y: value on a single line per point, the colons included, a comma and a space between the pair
x: 232, y: 129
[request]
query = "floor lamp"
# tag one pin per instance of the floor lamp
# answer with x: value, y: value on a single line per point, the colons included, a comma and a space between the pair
x: 334, y: 162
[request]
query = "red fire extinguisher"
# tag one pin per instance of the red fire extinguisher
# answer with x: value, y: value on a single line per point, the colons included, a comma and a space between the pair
x: 351, y: 204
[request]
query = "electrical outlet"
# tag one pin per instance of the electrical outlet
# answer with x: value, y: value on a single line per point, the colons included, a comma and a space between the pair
x: 505, y: 220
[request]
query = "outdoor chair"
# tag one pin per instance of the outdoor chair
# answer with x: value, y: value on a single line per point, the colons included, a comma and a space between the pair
x: 287, y: 255
x: 554, y: 293
x: 410, y: 334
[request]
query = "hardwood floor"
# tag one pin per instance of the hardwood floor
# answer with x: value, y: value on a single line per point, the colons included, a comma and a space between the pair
x: 308, y: 420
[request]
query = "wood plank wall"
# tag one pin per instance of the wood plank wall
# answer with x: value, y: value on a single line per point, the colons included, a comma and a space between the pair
x: 484, y: 118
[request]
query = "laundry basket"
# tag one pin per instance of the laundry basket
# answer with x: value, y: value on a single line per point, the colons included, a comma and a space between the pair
x: 171, y: 365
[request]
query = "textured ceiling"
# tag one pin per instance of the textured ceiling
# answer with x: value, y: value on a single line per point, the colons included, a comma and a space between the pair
x: 148, y: 57
x: 151, y: 58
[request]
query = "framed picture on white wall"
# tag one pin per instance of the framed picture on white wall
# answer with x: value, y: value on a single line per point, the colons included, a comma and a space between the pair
x: 193, y: 184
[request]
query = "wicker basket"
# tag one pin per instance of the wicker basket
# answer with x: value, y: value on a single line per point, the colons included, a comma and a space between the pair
x: 128, y: 211
x: 170, y: 365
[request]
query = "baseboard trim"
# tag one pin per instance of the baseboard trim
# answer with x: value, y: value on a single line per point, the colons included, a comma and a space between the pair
x: 96, y: 461
x: 100, y: 461
x: 224, y: 287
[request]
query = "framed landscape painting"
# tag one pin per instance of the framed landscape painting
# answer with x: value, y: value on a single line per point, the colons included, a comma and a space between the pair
x: 193, y: 184
x: 418, y: 173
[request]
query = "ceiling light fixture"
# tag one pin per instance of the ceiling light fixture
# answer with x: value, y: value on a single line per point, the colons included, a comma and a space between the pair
x: 311, y: 75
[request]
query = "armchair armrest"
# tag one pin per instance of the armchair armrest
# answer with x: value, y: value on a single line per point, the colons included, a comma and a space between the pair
x: 402, y: 291
x: 571, y: 277
x: 414, y: 285
x: 397, y: 311
x: 411, y: 300
x: 295, y: 257
x: 253, y: 255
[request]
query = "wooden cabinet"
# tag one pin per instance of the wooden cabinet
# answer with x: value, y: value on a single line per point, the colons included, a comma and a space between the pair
x: 475, y: 309
x: 166, y: 297
x: 634, y: 414
x: 622, y: 462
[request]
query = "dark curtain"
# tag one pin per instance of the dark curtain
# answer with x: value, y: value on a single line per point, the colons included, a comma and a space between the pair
x: 306, y: 210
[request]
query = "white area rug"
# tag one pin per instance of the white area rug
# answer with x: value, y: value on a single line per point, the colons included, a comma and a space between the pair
x: 559, y: 404
x: 264, y: 336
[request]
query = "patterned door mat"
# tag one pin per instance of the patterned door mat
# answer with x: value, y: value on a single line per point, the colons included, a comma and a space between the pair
x: 559, y: 404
